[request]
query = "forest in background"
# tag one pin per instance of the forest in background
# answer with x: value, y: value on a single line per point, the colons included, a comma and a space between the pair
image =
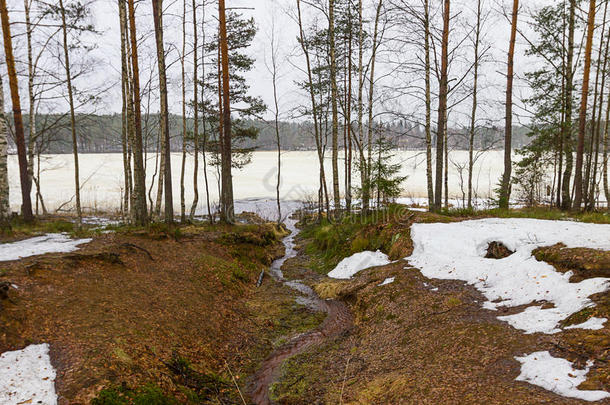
x: 102, y: 134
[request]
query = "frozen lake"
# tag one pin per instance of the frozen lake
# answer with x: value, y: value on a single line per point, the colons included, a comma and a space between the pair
x: 102, y: 177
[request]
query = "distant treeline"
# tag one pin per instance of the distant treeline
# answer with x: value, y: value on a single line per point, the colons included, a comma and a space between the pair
x: 102, y: 134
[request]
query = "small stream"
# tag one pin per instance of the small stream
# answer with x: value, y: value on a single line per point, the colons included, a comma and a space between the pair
x: 338, y: 319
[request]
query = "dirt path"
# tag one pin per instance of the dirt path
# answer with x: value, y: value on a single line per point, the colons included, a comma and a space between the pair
x: 338, y: 320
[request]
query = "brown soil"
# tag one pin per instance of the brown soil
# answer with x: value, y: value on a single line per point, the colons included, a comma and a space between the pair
x: 118, y: 310
x: 497, y: 250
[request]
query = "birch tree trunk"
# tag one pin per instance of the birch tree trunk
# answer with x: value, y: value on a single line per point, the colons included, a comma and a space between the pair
x: 79, y: 211
x: 442, y: 107
x: 32, y: 102
x: 473, y: 115
x: 203, y: 118
x: 184, y: 133
x: 428, y: 125
x: 195, y: 117
x: 140, y: 209
x: 371, y: 94
x: 363, y: 168
x: 164, y: 112
x: 5, y: 212
x: 335, y: 112
x: 314, y: 107
x: 566, y: 196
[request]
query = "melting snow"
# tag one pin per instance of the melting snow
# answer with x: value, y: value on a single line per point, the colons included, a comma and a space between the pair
x: 27, y: 376
x: 388, y: 280
x: 50, y: 243
x: 456, y: 251
x: 557, y: 375
x: 592, y: 324
x: 357, y: 262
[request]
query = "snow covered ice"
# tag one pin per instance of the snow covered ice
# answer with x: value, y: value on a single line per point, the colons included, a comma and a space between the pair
x: 557, y: 375
x: 50, y: 243
x: 27, y: 376
x: 357, y: 262
x: 456, y: 251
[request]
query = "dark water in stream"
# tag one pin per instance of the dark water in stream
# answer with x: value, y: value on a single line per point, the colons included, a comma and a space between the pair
x: 338, y: 319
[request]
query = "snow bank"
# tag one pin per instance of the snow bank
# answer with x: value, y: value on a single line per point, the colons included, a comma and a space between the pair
x: 456, y: 251
x: 27, y: 376
x: 557, y: 375
x: 387, y: 281
x: 50, y: 243
x: 357, y: 262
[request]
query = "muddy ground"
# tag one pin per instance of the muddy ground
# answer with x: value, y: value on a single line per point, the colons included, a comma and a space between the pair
x: 181, y: 312
x: 127, y: 307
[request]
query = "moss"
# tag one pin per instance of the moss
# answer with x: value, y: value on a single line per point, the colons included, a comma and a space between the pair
x: 145, y: 395
x: 298, y: 375
x: 579, y: 317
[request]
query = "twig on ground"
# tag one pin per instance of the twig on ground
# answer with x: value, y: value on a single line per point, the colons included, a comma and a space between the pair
x: 235, y: 382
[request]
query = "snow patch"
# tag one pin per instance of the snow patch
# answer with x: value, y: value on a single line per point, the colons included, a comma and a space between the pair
x: 556, y: 375
x: 357, y: 262
x: 456, y: 251
x: 592, y: 324
x: 387, y: 281
x: 49, y: 243
x: 27, y: 376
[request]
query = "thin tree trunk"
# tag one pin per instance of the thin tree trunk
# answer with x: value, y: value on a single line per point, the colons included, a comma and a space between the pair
x: 5, y: 210
x: 582, y: 123
x: 566, y: 195
x: 473, y: 115
x: 442, y: 107
x: 348, y: 118
x: 79, y: 212
x: 203, y: 118
x: 26, y: 185
x: 164, y: 112
x: 314, y: 107
x: 372, y: 89
x: 335, y: 113
x: 184, y: 133
x: 595, y: 117
x: 428, y: 125
x: 597, y: 135
x: 227, y: 208
x: 446, y: 166
x: 32, y: 102
x: 125, y: 125
x: 140, y: 210
x: 276, y: 116
x: 363, y: 168
x: 505, y: 185
x: 195, y: 116
x: 605, y: 157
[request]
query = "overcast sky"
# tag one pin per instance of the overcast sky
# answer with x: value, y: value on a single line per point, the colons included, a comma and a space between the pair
x: 265, y: 11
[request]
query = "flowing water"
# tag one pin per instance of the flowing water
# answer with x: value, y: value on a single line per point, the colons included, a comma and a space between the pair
x: 338, y: 320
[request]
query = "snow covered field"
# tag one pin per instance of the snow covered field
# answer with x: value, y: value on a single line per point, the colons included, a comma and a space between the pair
x: 27, y: 377
x: 102, y: 177
x: 50, y: 243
